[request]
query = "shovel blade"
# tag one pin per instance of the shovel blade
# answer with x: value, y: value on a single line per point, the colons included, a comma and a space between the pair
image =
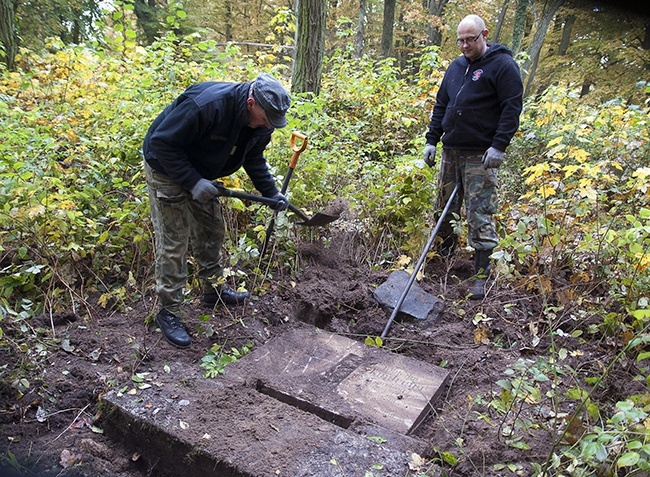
x: 319, y: 219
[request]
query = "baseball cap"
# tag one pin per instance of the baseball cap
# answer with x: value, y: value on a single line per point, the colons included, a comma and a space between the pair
x: 272, y: 98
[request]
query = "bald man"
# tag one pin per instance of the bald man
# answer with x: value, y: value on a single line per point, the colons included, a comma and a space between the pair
x: 475, y: 116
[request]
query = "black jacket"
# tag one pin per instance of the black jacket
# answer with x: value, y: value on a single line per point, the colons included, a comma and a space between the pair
x: 478, y: 103
x: 204, y: 133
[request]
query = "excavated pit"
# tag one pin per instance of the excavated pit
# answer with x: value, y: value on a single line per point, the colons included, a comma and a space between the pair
x: 328, y: 401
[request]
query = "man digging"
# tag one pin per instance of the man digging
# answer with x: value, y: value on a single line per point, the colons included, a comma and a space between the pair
x: 210, y: 131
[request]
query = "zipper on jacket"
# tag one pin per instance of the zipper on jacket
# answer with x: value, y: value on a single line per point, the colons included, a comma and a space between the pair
x: 463, y: 85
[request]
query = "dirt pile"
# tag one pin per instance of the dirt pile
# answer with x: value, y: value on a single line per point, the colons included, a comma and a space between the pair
x: 58, y: 432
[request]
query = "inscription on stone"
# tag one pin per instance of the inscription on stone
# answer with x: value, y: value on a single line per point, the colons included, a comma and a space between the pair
x: 397, y: 396
x: 342, y: 380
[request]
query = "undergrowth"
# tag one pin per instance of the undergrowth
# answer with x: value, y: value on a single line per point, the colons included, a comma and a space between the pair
x: 575, y: 214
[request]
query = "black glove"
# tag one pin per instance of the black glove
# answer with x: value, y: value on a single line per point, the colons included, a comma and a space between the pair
x: 430, y: 155
x: 283, y: 202
x: 204, y: 191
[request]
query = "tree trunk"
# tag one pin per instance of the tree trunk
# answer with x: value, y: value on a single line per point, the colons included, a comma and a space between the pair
x: 529, y: 67
x: 227, y: 20
x: 566, y: 34
x: 361, y: 31
x: 8, y: 33
x: 310, y: 44
x: 147, y: 19
x: 519, y: 26
x: 500, y: 20
x: 387, y: 29
x: 435, y: 9
x: 645, y: 43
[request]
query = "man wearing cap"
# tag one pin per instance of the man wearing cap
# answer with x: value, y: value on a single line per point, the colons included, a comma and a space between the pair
x: 210, y: 131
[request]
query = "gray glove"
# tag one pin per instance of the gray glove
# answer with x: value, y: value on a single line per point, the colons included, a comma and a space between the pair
x: 492, y: 158
x: 204, y: 191
x: 283, y: 202
x: 430, y: 155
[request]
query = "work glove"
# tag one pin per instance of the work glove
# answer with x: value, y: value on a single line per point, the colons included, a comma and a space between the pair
x: 283, y: 202
x: 492, y: 158
x: 430, y: 155
x: 204, y: 191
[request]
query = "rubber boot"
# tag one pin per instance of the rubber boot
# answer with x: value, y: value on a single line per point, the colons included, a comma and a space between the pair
x: 482, y: 270
x: 448, y: 246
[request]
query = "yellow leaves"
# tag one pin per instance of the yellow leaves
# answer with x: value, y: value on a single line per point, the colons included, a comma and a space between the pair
x: 588, y: 192
x: 642, y: 173
x: 555, y: 142
x: 71, y: 135
x: 482, y: 332
x: 536, y: 171
x: 482, y: 335
x: 402, y: 261
x: 579, y: 154
x: 570, y: 170
x: 416, y: 462
x: 566, y: 296
x: 639, y: 253
x: 546, y: 191
x: 67, y: 205
x: 35, y: 211
x: 617, y: 165
x: 539, y: 282
x: 580, y: 277
x: 551, y: 109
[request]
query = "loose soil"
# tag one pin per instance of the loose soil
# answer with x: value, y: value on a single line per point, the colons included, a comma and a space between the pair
x: 58, y: 430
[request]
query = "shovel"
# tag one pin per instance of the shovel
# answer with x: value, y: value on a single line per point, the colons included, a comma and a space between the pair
x: 315, y: 221
x: 297, y: 149
x: 420, y: 261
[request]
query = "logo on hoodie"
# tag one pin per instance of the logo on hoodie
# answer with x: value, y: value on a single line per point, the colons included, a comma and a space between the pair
x: 477, y: 74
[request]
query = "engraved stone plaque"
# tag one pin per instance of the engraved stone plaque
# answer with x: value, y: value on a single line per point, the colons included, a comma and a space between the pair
x: 342, y: 380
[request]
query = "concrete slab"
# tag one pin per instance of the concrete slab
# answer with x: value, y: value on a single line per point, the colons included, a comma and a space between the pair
x: 417, y: 304
x: 343, y: 380
x: 182, y: 434
x: 308, y: 403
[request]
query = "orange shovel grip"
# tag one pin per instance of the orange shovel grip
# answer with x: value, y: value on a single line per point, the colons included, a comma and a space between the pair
x: 297, y: 148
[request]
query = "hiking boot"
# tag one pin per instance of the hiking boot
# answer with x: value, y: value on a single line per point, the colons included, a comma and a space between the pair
x: 172, y: 328
x: 227, y: 295
x: 482, y: 270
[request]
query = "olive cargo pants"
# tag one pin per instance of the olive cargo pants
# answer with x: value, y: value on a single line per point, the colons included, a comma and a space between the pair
x: 479, y: 191
x: 177, y: 219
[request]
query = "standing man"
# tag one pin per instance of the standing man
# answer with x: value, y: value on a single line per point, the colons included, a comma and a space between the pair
x: 476, y: 114
x: 210, y: 131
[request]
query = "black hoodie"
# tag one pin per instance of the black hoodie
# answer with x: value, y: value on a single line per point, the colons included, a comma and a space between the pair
x: 478, y: 103
x: 204, y: 133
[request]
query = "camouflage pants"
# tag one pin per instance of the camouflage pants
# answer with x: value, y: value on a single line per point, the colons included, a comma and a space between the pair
x: 478, y: 188
x: 177, y: 219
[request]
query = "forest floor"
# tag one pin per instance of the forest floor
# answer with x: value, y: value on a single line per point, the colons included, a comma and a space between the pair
x: 55, y: 429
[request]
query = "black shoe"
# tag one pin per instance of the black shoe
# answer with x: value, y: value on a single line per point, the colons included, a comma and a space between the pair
x: 172, y: 328
x: 227, y: 295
